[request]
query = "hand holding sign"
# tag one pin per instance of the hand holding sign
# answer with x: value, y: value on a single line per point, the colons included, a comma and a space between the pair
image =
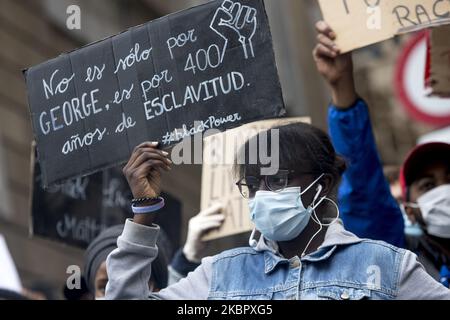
x: 143, y: 173
x: 143, y: 170
x: 336, y: 69
x: 234, y: 21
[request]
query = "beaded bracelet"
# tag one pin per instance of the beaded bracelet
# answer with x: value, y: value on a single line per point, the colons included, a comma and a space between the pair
x: 139, y: 201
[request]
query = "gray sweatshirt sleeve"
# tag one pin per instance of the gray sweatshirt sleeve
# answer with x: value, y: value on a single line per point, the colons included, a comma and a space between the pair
x: 174, y: 276
x: 129, y: 269
x: 416, y: 284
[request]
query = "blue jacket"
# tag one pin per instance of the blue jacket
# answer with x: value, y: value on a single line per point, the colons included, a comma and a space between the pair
x: 367, y: 207
x: 344, y: 267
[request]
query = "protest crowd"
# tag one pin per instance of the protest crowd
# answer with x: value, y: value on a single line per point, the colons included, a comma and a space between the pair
x: 331, y: 222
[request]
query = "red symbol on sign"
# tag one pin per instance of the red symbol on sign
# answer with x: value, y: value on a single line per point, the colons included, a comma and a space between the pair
x: 410, y: 85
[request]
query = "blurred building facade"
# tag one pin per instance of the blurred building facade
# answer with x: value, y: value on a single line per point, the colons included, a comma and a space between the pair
x: 34, y: 31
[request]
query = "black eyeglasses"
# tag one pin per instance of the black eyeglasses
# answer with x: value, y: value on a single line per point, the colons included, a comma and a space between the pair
x: 249, y: 185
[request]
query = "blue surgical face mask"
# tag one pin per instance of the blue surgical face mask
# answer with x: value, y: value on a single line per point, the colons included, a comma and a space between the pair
x: 282, y: 216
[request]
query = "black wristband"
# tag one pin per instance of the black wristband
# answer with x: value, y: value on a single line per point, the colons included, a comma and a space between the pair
x: 136, y: 202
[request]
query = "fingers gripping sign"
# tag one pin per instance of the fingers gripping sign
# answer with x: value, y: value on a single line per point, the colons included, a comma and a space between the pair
x: 235, y: 22
x: 336, y: 68
x: 143, y: 170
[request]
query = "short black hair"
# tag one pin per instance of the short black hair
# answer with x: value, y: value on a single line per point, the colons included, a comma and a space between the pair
x: 303, y: 148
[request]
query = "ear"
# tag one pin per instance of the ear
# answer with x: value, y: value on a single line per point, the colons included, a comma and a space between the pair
x: 327, y: 184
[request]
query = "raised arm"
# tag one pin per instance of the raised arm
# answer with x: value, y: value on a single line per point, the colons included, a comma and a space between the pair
x: 129, y: 266
x: 366, y: 204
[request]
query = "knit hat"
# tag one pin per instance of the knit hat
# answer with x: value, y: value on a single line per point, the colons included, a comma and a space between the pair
x: 106, y: 242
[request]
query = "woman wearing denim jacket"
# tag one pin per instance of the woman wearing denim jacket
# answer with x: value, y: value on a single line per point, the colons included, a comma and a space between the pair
x: 303, y: 250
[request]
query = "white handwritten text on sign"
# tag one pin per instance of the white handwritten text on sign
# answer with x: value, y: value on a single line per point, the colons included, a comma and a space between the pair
x: 92, y: 106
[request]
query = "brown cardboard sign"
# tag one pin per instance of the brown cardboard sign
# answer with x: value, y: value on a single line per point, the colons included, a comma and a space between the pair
x: 440, y: 61
x: 359, y: 23
x: 218, y: 181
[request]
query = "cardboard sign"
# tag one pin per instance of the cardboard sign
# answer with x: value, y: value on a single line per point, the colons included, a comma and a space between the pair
x: 359, y: 23
x: 218, y: 181
x: 212, y: 64
x: 439, y: 72
x: 75, y: 212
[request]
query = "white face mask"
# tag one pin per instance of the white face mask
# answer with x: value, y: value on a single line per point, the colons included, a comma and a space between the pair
x: 435, y: 207
x: 282, y: 216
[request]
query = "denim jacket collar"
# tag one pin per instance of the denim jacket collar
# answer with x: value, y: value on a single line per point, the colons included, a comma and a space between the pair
x: 336, y: 236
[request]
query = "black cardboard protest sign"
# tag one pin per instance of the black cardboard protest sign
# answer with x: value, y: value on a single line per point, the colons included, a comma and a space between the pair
x: 76, y: 211
x: 208, y: 67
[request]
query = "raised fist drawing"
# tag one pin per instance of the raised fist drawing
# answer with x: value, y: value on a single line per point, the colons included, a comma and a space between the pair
x: 234, y: 21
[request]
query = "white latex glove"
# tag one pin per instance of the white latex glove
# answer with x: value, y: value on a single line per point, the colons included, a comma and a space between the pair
x: 205, y: 221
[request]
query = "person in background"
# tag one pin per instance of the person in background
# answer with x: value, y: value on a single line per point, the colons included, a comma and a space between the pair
x: 425, y: 181
x: 425, y: 175
x: 367, y: 206
x: 189, y: 257
x: 99, y: 249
